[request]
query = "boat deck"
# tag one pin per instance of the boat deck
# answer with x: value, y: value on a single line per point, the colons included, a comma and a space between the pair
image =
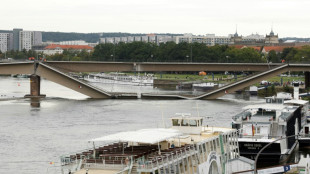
x: 96, y: 171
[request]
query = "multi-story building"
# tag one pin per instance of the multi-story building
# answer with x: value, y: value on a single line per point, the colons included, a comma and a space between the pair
x: 147, y: 38
x: 208, y: 39
x: 6, y: 42
x: 27, y: 39
x: 16, y: 38
x: 58, y: 49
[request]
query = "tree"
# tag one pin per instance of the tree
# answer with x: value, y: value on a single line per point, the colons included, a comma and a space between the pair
x: 273, y: 57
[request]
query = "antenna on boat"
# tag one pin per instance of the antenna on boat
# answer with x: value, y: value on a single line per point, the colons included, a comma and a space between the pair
x: 162, y: 116
x: 197, y: 108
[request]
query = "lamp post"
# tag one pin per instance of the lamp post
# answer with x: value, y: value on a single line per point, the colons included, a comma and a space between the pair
x: 112, y: 57
x: 152, y: 57
x: 187, y: 58
x: 191, y: 52
x: 227, y: 59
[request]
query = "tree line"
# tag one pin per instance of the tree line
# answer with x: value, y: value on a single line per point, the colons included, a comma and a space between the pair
x: 171, y: 52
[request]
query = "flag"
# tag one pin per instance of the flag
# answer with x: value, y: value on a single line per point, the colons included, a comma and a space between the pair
x: 51, y: 163
x: 253, y: 130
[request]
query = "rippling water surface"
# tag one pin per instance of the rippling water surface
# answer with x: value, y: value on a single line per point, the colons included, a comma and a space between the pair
x: 33, y: 135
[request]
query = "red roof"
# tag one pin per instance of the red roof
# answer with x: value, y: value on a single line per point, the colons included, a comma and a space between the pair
x: 257, y: 48
x: 278, y: 48
x: 75, y: 47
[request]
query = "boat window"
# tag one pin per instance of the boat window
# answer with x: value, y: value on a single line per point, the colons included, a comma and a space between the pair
x: 184, y: 123
x: 280, y: 100
x: 193, y: 123
x: 258, y: 130
x: 268, y: 100
x: 175, y: 122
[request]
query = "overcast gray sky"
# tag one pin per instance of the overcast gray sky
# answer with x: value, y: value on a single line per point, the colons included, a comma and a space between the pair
x: 220, y: 17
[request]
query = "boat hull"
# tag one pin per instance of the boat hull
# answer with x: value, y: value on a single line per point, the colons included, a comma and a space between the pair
x: 250, y: 149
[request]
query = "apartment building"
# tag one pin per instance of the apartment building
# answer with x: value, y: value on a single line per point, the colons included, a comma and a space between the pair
x: 129, y: 39
x: 6, y: 42
x: 27, y: 39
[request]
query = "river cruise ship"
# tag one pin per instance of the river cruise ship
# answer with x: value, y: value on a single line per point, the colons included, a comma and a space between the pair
x: 259, y: 125
x: 187, y: 147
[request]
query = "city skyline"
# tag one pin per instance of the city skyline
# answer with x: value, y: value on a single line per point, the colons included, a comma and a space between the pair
x: 287, y: 18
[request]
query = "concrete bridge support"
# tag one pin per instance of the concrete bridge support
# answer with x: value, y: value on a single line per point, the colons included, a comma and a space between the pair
x: 35, y: 81
x: 307, y: 79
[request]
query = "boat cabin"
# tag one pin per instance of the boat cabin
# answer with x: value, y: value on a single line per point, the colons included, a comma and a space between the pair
x: 187, y: 124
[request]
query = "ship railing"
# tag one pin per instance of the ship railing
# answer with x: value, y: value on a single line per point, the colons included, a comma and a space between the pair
x: 99, y: 163
x: 259, y: 136
x: 74, y: 157
x: 303, y: 135
x: 166, y: 158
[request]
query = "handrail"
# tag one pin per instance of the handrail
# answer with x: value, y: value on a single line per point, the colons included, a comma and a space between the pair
x: 256, y: 158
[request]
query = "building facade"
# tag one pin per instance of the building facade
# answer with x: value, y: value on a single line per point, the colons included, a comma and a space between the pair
x: 271, y: 39
x: 157, y: 39
x: 6, y: 42
x: 208, y: 39
x: 16, y: 38
x: 27, y: 39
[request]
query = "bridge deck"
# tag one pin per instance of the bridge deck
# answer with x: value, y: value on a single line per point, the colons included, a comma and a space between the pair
x: 48, y: 70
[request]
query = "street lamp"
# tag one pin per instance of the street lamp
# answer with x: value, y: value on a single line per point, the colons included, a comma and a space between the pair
x: 152, y: 57
x: 187, y: 58
x: 191, y: 52
x: 227, y: 59
x: 112, y: 57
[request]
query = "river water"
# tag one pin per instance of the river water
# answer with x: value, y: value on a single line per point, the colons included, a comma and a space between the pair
x: 34, y: 134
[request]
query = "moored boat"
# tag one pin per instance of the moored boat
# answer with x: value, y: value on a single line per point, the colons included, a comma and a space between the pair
x: 186, y: 147
x: 259, y: 125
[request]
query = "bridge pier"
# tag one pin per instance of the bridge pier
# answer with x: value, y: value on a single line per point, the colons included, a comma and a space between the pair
x: 307, y: 79
x: 35, y: 81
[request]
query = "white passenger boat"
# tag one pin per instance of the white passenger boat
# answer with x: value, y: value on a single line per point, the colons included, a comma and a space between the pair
x: 120, y: 78
x: 186, y: 147
x: 205, y: 86
x: 259, y: 125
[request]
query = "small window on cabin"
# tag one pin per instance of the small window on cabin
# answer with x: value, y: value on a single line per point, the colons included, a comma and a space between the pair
x: 268, y: 100
x: 175, y: 122
x: 184, y: 122
x: 280, y: 101
x: 193, y: 123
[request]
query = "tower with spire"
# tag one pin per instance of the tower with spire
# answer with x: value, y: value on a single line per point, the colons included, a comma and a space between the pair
x: 271, y: 39
x: 235, y: 39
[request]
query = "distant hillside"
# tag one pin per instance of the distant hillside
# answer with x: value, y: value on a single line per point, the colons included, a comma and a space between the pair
x: 60, y: 36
